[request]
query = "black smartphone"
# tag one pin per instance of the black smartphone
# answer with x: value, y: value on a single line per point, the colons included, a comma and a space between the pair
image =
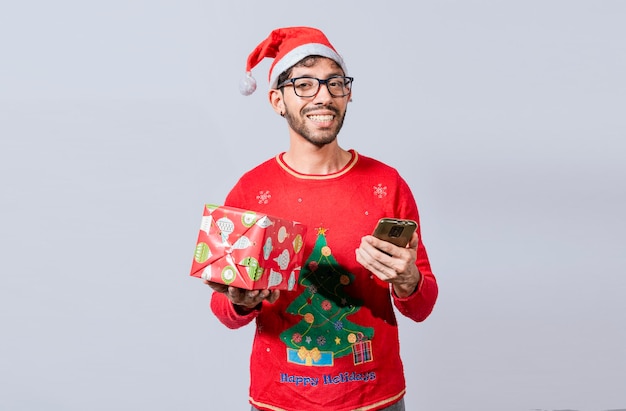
x: 395, y: 230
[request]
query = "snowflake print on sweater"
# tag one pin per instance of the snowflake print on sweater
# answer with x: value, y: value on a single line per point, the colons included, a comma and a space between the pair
x: 380, y: 191
x: 264, y: 197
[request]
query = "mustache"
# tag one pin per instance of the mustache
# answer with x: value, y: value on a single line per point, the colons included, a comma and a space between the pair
x: 329, y: 108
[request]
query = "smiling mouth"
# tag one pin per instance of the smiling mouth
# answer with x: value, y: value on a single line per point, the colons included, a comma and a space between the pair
x: 321, y: 118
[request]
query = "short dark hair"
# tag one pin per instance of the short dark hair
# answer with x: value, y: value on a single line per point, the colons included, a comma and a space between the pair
x: 308, y: 61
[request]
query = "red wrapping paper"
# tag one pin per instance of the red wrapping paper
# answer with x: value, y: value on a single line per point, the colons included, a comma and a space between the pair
x: 248, y: 249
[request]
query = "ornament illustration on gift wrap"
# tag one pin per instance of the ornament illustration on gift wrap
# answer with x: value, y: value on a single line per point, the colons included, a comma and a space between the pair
x: 267, y: 248
x: 297, y: 243
x: 207, y: 273
x: 283, y: 260
x: 242, y: 243
x: 202, y: 253
x: 226, y: 227
x: 264, y: 222
x: 205, y: 224
x: 229, y: 273
x: 282, y: 234
x: 275, y: 278
x: 291, y: 283
x: 252, y: 267
x: 248, y: 218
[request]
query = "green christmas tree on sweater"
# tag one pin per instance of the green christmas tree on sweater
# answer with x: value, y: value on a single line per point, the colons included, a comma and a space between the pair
x: 324, y: 333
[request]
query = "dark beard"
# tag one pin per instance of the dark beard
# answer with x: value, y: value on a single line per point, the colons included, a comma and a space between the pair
x: 321, y: 138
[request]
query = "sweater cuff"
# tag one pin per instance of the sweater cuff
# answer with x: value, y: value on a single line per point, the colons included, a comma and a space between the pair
x: 413, y: 294
x: 246, y: 312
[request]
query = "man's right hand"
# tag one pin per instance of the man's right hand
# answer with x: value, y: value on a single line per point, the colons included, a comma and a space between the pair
x: 246, y: 300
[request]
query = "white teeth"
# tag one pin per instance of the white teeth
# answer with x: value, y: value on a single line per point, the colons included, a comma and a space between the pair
x: 322, y: 118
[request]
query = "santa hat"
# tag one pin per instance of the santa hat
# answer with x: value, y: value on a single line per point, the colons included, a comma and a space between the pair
x: 287, y: 46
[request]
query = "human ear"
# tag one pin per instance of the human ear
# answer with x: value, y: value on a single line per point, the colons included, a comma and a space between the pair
x: 276, y: 100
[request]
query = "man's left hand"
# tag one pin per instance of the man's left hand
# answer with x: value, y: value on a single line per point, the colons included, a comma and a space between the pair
x: 390, y: 263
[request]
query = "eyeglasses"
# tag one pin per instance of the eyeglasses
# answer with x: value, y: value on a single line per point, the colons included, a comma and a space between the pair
x: 337, y: 86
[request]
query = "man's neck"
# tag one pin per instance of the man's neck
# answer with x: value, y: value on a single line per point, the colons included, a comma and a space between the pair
x: 310, y: 159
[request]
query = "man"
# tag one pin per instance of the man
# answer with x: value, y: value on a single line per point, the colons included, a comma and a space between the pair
x: 332, y: 342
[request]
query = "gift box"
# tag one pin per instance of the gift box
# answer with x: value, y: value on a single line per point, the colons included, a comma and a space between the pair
x: 361, y: 350
x: 248, y: 249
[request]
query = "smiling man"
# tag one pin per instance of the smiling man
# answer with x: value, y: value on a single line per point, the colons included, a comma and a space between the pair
x: 331, y: 343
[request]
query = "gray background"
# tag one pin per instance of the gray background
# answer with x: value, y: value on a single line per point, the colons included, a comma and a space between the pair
x: 119, y: 119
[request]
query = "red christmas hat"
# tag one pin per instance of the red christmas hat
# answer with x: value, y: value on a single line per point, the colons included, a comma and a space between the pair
x: 287, y: 46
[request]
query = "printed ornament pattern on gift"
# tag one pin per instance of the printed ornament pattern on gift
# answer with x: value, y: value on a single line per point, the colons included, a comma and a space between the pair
x: 247, y: 249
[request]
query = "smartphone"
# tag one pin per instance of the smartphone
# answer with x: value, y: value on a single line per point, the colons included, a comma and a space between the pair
x: 395, y: 230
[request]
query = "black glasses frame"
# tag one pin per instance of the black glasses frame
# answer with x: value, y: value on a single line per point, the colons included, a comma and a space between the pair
x: 292, y: 81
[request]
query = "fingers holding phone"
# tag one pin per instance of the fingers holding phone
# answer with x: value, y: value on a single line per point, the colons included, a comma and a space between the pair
x: 392, y: 250
x: 386, y: 255
x: 396, y: 231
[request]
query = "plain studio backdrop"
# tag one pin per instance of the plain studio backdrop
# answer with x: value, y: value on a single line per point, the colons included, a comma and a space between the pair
x: 120, y: 119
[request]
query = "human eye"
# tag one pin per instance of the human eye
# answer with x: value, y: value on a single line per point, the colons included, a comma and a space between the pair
x: 304, y: 83
x: 337, y: 82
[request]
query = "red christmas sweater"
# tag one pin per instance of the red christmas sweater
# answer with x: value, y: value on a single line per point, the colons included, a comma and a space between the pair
x: 332, y: 342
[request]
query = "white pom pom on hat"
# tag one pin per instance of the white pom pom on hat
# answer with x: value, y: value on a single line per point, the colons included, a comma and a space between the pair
x: 247, y: 85
x: 287, y: 46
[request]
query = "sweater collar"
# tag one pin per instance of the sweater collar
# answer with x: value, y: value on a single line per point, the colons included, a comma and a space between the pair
x: 351, y: 163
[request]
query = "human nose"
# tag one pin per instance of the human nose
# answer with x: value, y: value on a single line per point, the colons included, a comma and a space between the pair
x: 323, y: 92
